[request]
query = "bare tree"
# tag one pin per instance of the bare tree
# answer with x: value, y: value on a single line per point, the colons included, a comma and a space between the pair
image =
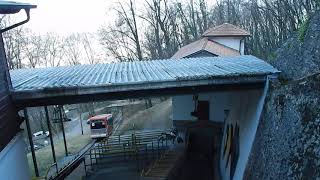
x: 14, y: 43
x: 159, y: 41
x: 72, y: 49
x: 122, y: 39
x: 89, y: 51
x: 168, y: 26
x: 53, y: 51
x: 33, y: 50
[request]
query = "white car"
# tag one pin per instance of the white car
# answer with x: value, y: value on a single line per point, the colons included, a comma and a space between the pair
x: 37, y: 134
x: 41, y: 133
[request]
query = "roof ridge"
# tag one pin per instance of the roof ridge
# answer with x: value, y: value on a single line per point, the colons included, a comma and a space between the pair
x: 226, y: 29
x: 240, y: 28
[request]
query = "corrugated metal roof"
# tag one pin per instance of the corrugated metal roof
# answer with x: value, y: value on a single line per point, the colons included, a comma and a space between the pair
x: 139, y: 72
x: 225, y: 29
x: 204, y: 44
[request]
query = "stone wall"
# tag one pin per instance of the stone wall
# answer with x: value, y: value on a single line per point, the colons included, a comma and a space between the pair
x: 287, y: 143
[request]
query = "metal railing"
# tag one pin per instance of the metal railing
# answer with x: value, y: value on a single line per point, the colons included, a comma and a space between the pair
x: 74, y: 160
x: 144, y: 148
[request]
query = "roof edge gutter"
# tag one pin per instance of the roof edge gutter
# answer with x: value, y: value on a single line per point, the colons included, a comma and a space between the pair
x: 27, y: 10
x: 56, y: 96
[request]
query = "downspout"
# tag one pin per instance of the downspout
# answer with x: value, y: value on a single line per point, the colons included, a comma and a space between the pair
x: 9, y: 82
x: 19, y: 23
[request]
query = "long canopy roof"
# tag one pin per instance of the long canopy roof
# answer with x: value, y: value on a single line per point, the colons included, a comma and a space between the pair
x: 32, y: 84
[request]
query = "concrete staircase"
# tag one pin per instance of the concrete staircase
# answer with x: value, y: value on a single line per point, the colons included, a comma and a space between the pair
x: 164, y: 167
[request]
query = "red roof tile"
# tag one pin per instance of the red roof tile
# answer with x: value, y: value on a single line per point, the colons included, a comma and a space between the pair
x: 205, y: 44
x: 225, y: 29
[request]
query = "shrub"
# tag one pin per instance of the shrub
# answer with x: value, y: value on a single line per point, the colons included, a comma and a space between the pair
x: 302, y: 30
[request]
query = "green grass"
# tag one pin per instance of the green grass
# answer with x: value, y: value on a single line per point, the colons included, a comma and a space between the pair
x: 44, y: 155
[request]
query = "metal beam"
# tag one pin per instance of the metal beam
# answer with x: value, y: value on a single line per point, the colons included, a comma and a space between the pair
x: 63, y: 133
x: 31, y: 143
x: 25, y: 99
x: 80, y: 118
x: 50, y: 134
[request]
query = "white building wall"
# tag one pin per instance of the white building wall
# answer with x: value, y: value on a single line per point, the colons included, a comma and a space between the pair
x: 246, y: 113
x: 13, y: 160
x: 182, y: 106
x: 232, y: 42
x: 245, y: 108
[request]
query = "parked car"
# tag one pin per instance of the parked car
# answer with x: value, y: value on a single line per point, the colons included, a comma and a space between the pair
x: 37, y: 134
x: 41, y: 133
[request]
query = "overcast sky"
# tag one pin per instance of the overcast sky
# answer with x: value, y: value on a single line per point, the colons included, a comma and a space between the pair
x: 67, y: 16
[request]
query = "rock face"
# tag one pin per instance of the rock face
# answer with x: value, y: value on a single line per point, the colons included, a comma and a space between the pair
x: 287, y: 143
x: 299, y: 58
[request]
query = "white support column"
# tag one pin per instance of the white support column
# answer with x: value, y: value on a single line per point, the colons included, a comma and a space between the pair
x: 13, y: 160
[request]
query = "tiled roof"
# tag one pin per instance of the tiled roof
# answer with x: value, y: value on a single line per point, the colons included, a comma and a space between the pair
x: 142, y: 74
x: 224, y: 30
x: 205, y: 44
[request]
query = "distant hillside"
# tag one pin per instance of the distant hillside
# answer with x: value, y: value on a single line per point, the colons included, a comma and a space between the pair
x: 287, y: 143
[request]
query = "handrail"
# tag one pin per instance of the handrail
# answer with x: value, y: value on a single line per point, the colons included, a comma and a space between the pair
x: 77, y: 156
x: 131, y: 145
x: 48, y: 170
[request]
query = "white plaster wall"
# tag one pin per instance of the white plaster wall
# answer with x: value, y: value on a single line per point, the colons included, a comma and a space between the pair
x: 246, y: 111
x: 182, y: 106
x: 232, y: 42
x: 13, y: 160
